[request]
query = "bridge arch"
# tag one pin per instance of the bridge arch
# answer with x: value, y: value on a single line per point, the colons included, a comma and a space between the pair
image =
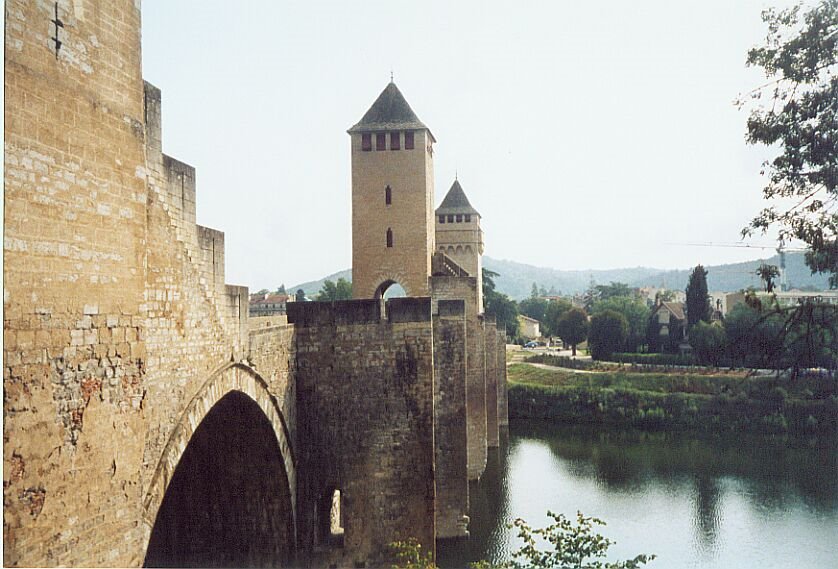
x: 205, y: 460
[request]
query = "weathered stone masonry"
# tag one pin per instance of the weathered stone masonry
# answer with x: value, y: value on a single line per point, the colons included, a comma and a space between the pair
x: 126, y: 354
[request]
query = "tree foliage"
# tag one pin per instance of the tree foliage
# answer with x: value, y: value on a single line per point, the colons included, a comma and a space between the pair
x: 766, y: 335
x: 572, y: 327
x: 534, y: 307
x: 709, y: 343
x: 552, y: 315
x: 767, y: 273
x: 698, y: 301
x: 614, y: 289
x: 636, y: 314
x: 571, y: 546
x: 331, y: 291
x: 499, y: 305
x: 800, y: 117
x: 607, y: 334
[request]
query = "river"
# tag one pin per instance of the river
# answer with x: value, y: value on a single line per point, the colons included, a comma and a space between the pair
x: 696, y: 502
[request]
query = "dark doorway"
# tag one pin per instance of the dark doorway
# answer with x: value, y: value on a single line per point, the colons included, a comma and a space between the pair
x: 228, y: 504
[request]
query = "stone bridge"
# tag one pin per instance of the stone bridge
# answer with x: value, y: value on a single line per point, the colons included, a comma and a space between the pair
x: 145, y: 422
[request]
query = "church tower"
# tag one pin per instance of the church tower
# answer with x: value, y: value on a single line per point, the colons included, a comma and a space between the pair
x: 459, y: 236
x: 392, y: 199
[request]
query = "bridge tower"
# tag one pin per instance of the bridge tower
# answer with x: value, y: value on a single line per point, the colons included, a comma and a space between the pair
x: 392, y: 199
x: 459, y: 236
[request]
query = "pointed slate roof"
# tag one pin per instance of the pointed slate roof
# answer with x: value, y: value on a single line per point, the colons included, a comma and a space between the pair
x: 390, y: 111
x: 456, y: 201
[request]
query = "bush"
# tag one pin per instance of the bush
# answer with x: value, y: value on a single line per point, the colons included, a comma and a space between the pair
x: 653, y: 359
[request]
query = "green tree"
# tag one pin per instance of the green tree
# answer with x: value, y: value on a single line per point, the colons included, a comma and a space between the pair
x: 607, y: 334
x: 534, y: 291
x: 572, y: 327
x: 709, y: 342
x: 555, y: 310
x: 614, y: 289
x: 263, y: 291
x: 591, y: 295
x: 534, y: 307
x: 281, y: 289
x: 698, y: 301
x: 767, y: 273
x: 331, y: 291
x: 636, y: 314
x: 300, y: 295
x: 499, y: 305
x: 795, y: 112
x: 754, y: 336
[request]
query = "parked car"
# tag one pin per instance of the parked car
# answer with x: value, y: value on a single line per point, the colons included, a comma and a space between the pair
x: 531, y: 344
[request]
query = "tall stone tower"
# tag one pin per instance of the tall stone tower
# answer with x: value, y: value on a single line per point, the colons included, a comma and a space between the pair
x: 459, y: 236
x: 392, y: 199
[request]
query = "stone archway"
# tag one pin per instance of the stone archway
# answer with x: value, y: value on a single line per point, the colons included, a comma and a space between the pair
x: 382, y: 290
x: 224, y: 491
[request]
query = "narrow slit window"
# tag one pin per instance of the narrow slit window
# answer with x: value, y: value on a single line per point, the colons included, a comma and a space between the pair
x: 395, y: 143
x: 366, y: 142
x: 380, y: 141
x: 389, y: 237
x: 450, y: 219
x: 468, y: 218
x: 388, y: 195
x: 442, y: 219
x: 459, y: 218
x: 408, y: 140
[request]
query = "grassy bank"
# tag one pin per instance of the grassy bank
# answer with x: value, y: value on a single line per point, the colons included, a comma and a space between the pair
x: 724, y: 402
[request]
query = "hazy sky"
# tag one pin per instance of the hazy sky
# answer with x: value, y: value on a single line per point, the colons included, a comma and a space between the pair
x: 587, y: 134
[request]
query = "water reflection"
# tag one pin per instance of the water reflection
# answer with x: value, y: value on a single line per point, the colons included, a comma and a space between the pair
x: 696, y: 502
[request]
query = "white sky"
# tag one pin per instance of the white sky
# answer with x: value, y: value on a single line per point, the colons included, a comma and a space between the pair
x: 587, y: 134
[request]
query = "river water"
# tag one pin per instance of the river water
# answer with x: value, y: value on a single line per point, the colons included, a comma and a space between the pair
x: 697, y: 502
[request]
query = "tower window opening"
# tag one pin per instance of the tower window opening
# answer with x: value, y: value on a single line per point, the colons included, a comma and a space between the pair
x: 388, y: 195
x: 408, y: 140
x: 380, y: 141
x: 395, y: 143
x: 366, y: 142
x: 450, y: 219
x: 459, y: 218
x: 442, y: 219
x: 468, y: 218
x: 389, y: 237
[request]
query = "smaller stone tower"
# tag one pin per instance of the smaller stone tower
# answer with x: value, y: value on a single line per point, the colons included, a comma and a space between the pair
x: 458, y: 235
x: 392, y: 199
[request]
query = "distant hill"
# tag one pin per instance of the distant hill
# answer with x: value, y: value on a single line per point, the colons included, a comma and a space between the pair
x: 516, y: 279
x: 737, y: 276
x: 313, y: 287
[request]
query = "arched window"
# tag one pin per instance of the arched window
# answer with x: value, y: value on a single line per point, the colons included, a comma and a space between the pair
x: 389, y: 237
x: 388, y: 195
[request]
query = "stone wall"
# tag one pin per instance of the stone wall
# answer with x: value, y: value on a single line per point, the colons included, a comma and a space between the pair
x: 451, y: 288
x: 450, y: 433
x: 490, y: 338
x: 503, y: 400
x: 365, y: 426
x: 119, y: 332
x: 74, y: 231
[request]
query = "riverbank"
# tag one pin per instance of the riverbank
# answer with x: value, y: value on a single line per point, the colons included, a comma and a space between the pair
x: 655, y: 401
